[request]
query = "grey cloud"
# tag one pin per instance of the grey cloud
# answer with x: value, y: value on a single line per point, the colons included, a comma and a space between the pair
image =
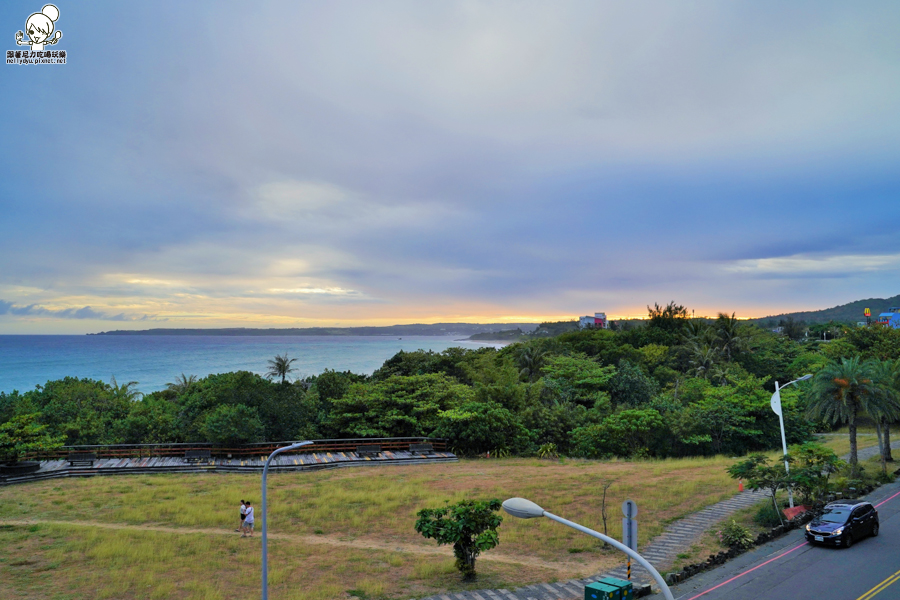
x: 85, y: 312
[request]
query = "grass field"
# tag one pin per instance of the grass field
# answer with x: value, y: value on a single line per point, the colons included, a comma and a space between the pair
x: 333, y: 534
x: 840, y: 444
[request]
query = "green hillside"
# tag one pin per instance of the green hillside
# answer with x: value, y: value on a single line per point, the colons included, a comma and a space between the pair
x: 845, y: 313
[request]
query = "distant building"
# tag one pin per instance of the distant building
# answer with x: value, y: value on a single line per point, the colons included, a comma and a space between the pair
x: 598, y: 321
x: 891, y: 317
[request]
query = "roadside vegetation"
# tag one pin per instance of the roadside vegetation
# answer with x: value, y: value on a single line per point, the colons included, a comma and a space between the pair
x: 761, y: 517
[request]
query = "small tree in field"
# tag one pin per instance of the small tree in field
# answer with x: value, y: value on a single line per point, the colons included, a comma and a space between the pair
x: 471, y: 526
x: 760, y: 475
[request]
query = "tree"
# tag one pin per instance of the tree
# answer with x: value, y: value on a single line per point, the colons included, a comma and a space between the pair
x: 670, y: 318
x: 875, y: 341
x: 85, y: 411
x: 482, y: 427
x: 815, y: 465
x: 530, y: 360
x: 883, y: 405
x: 793, y: 329
x: 396, y: 407
x: 838, y: 393
x: 182, y: 383
x: 730, y: 335
x: 471, y: 526
x: 888, y: 379
x: 282, y: 409
x: 576, y: 378
x: 702, y: 357
x: 149, y: 421
x: 625, y: 433
x: 8, y: 405
x: 759, y: 475
x: 630, y: 387
x: 726, y: 420
x: 280, y: 366
x: 232, y: 425
x: 23, y: 434
x: 126, y: 391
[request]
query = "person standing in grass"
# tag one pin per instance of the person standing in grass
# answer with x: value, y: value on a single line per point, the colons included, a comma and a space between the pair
x: 248, y: 520
x: 243, y: 516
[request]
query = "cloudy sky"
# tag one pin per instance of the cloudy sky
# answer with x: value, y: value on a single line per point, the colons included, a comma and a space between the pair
x: 210, y: 164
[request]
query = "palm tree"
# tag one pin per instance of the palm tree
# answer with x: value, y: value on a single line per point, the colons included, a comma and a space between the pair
x: 530, y: 361
x: 280, y: 367
x: 895, y: 384
x: 125, y: 390
x: 729, y: 334
x: 840, y: 392
x: 182, y: 383
x: 698, y: 330
x: 884, y: 404
x: 703, y: 358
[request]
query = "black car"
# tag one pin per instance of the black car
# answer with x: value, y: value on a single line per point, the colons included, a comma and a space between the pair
x: 842, y: 523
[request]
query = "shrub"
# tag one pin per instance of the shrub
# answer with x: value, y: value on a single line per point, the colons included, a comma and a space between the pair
x: 548, y: 450
x: 766, y: 516
x: 735, y: 535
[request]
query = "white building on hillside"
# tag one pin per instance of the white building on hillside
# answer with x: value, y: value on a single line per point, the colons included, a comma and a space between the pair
x: 598, y: 321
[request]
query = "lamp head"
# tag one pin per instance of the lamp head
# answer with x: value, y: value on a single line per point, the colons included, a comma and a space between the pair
x: 298, y: 444
x: 805, y: 377
x: 522, y: 508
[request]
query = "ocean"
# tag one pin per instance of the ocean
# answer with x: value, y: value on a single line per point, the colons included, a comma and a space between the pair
x: 155, y: 360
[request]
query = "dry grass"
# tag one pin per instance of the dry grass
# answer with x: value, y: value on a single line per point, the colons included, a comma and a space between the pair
x: 841, y: 445
x: 345, y: 511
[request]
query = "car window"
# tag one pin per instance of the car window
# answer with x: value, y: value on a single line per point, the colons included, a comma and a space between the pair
x: 836, y: 515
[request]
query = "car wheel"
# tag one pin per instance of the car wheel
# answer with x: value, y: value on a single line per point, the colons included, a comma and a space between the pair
x: 848, y: 540
x: 875, y: 530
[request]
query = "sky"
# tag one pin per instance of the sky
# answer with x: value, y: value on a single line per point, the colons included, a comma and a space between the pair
x: 298, y: 164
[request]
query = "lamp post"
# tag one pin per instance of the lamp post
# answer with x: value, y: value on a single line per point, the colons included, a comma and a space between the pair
x: 776, y: 408
x: 265, y: 546
x: 526, y: 509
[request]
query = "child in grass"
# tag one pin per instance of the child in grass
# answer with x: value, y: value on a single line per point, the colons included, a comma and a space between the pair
x: 248, y: 520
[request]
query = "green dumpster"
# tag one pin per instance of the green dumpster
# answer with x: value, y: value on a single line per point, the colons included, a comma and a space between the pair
x: 601, y: 591
x: 626, y: 590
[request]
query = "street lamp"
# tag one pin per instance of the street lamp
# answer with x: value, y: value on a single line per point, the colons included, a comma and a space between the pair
x: 265, y: 546
x: 526, y: 509
x: 776, y: 408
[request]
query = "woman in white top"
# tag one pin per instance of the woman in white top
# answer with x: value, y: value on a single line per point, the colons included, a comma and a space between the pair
x: 243, y: 515
x: 248, y: 520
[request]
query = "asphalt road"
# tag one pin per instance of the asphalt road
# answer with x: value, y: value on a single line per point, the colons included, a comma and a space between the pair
x: 791, y: 569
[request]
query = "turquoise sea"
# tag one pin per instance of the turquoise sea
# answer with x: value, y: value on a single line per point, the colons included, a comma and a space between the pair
x: 155, y: 360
